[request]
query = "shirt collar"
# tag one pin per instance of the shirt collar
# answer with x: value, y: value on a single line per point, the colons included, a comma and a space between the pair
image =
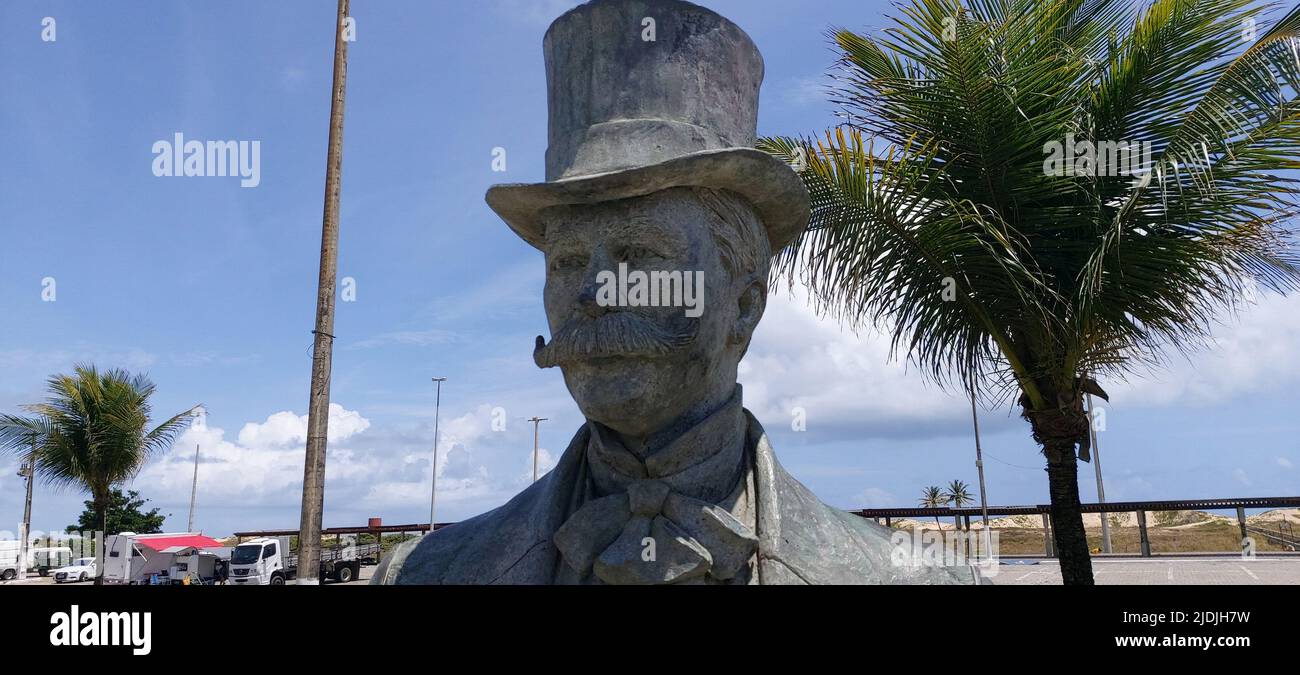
x: 704, y: 462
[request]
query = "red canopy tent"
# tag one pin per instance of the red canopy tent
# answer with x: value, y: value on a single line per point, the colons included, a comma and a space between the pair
x: 195, y: 540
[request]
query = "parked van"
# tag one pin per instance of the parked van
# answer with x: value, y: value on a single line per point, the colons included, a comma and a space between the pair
x: 40, y: 559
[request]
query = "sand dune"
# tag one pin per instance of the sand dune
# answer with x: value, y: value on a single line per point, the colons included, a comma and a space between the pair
x: 1171, y: 519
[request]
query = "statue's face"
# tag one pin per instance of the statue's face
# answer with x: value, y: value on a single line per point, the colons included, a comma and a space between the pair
x: 638, y: 368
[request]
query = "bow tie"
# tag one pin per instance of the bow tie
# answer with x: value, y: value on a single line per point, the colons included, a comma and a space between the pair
x: 652, y: 535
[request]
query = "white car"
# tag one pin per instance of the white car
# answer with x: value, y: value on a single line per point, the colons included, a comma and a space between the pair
x: 81, y: 569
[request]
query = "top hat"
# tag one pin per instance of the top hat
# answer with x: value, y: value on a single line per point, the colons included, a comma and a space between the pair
x: 630, y: 116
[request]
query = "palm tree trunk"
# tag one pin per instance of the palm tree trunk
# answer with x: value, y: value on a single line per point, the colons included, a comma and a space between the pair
x: 1058, y: 430
x: 1067, y: 518
x: 101, y: 515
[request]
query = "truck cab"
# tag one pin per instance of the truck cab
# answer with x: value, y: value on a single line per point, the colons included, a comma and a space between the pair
x: 260, y: 562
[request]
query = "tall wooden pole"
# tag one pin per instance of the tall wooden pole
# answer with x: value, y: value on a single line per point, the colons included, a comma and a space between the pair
x: 313, y: 478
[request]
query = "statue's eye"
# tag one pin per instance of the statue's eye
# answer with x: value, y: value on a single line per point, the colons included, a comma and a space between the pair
x: 568, y: 262
x: 637, y: 253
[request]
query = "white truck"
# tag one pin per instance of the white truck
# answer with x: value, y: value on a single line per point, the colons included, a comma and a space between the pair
x: 40, y: 559
x: 268, y: 561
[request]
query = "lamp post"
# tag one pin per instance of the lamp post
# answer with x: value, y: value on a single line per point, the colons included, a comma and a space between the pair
x: 199, y: 422
x: 1096, y: 466
x: 979, y: 465
x: 433, y: 493
x: 536, y: 422
x: 27, y: 471
x: 194, y: 489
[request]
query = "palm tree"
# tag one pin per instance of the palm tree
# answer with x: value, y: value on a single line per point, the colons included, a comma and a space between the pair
x: 958, y: 494
x: 932, y: 498
x: 941, y: 213
x: 91, y: 432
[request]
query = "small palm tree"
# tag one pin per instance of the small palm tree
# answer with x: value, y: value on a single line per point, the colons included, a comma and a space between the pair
x: 91, y: 432
x: 958, y: 494
x: 950, y: 212
x: 932, y: 498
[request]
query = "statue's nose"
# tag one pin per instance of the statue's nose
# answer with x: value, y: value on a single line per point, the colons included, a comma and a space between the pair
x: 588, y: 302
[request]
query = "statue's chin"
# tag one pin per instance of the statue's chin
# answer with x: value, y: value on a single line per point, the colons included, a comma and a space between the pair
x: 619, y: 392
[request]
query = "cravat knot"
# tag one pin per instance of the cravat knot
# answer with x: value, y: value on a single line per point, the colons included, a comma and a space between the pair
x: 652, y: 535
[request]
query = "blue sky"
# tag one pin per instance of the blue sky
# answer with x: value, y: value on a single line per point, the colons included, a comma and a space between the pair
x: 210, y: 287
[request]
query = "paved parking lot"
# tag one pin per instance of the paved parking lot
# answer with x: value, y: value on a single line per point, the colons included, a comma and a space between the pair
x: 1161, y: 571
x: 33, y: 580
x: 362, y: 579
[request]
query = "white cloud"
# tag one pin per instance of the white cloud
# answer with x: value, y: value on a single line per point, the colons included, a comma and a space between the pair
x: 811, y: 89
x: 1257, y: 351
x: 407, y: 338
x: 286, y: 429
x: 545, y: 462
x: 840, y: 380
x: 291, y: 77
x: 534, y: 12
x: 874, y: 497
x: 367, y: 472
x: 478, y: 467
x: 848, y: 383
x: 1285, y: 463
x: 56, y: 359
x: 263, y: 467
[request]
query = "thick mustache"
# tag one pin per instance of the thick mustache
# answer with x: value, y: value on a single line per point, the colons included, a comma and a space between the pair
x: 613, y: 334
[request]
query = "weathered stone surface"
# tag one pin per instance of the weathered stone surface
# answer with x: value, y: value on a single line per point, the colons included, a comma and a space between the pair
x: 630, y: 117
x: 670, y: 480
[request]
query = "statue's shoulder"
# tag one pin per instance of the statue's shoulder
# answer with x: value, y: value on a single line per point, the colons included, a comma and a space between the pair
x: 833, y: 546
x: 510, y: 544
x: 805, y: 541
x: 455, y: 554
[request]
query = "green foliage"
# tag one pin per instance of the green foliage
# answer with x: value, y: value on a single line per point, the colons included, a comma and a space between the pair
x: 932, y: 497
x: 125, y: 514
x: 938, y: 218
x: 958, y: 494
x: 937, y: 181
x: 392, y: 541
x: 92, y: 432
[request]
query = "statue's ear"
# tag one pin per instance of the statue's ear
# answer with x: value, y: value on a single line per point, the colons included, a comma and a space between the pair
x: 751, y: 303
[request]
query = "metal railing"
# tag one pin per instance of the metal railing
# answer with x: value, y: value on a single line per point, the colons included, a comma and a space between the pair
x: 1140, y: 508
x: 887, y: 515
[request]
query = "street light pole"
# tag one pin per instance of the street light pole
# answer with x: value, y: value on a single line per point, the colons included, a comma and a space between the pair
x: 318, y: 407
x: 979, y: 465
x: 1096, y: 466
x: 28, y: 471
x: 433, y: 493
x: 536, y: 422
x: 194, y: 488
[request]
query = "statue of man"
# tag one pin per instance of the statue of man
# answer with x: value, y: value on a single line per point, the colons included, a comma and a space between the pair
x: 658, y: 222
